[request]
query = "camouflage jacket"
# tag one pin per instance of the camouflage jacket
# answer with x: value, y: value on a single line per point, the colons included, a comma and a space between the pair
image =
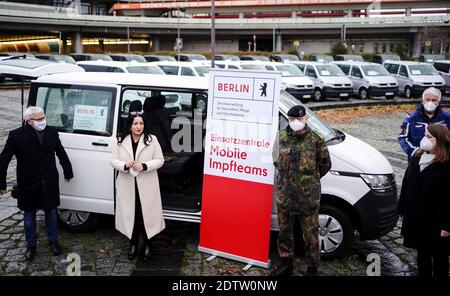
x: 301, y: 160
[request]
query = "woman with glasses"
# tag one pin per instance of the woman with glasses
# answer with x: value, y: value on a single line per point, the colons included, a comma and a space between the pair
x: 424, y: 204
x: 137, y: 156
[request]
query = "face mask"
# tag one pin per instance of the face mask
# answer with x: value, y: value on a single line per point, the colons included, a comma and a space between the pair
x: 426, y: 144
x: 296, y: 125
x: 429, y: 106
x: 40, y: 125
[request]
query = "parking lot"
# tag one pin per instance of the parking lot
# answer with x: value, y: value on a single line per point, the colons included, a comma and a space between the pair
x: 103, y: 251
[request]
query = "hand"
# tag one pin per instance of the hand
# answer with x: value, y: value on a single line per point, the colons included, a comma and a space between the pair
x: 137, y: 166
x: 445, y: 233
x: 130, y: 163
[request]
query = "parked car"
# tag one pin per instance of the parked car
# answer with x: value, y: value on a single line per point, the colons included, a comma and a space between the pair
x: 121, y: 67
x: 292, y: 80
x: 329, y: 80
x: 90, y: 57
x: 370, y: 79
x: 128, y: 58
x: 358, y: 193
x: 443, y: 67
x: 158, y: 58
x: 413, y: 77
x: 381, y: 58
x: 430, y: 58
x: 321, y: 58
x: 226, y: 57
x: 348, y: 57
x: 254, y: 58
x: 61, y: 58
x: 282, y: 58
x: 243, y: 65
x: 185, y: 57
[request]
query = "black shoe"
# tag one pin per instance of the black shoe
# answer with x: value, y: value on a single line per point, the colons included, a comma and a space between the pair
x: 147, y: 253
x: 132, y: 252
x: 30, y: 253
x: 312, y: 271
x: 286, y: 268
x: 55, y: 247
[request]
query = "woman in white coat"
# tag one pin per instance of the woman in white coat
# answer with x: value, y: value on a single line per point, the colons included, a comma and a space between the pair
x: 137, y: 156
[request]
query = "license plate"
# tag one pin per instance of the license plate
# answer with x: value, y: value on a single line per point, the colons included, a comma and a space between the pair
x: 343, y: 95
x: 307, y: 96
x: 389, y: 94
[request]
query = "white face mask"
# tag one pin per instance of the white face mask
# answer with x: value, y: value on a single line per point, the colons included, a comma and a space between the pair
x: 40, y: 125
x: 296, y: 125
x: 426, y: 144
x: 429, y: 106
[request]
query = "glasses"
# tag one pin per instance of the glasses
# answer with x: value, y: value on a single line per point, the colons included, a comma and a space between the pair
x: 134, y: 113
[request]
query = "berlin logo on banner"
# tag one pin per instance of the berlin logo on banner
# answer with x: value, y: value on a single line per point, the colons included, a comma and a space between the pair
x: 238, y: 169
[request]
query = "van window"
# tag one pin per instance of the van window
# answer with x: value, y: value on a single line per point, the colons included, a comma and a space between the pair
x: 94, y: 68
x: 392, y: 68
x: 290, y: 71
x: 170, y: 70
x: 329, y: 70
x: 116, y: 70
x: 202, y: 71
x: 403, y: 71
x: 233, y: 67
x: 78, y: 110
x: 374, y: 70
x: 422, y: 70
x: 356, y: 72
x: 310, y: 72
x: 220, y: 66
x: 443, y: 67
x: 270, y: 68
x: 187, y: 72
x: 301, y: 67
x: 344, y: 68
x: 145, y: 70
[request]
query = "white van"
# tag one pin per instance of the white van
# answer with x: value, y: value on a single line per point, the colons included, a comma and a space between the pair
x: 199, y: 69
x: 413, y: 77
x: 370, y: 79
x: 329, y: 80
x: 359, y: 193
x: 120, y: 67
x: 292, y: 80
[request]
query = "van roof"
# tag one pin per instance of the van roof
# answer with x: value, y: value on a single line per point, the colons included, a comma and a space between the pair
x: 92, y: 78
x: 442, y: 61
x: 116, y: 63
x: 35, y: 67
x: 179, y: 63
x: 355, y: 63
x: 406, y: 63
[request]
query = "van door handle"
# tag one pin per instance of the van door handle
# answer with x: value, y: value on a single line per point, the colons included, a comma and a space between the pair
x: 99, y: 144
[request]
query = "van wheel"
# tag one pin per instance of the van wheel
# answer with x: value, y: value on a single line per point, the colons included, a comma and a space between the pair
x: 77, y: 221
x: 364, y: 94
x: 317, y: 95
x: 335, y: 232
x: 408, y: 93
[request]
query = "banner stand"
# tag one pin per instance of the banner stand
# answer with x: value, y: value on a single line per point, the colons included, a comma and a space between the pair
x: 249, y: 262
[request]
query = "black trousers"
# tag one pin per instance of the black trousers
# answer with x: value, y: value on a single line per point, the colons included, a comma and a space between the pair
x: 139, y: 226
x: 429, y: 264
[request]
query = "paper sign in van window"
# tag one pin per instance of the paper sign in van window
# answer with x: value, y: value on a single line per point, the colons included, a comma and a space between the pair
x: 416, y: 72
x: 372, y: 73
x: 90, y: 118
x: 325, y: 73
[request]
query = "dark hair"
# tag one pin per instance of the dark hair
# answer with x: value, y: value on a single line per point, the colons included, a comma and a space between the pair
x: 127, y: 129
x: 442, y: 135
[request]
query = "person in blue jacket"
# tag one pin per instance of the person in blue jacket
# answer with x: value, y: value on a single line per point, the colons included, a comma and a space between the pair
x: 426, y: 113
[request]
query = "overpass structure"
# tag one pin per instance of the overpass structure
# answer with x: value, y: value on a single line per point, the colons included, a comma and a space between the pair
x: 364, y: 28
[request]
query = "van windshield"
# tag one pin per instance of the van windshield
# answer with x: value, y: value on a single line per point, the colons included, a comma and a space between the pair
x: 145, y: 70
x: 329, y: 70
x: 202, y: 71
x: 314, y: 122
x: 422, y: 70
x: 253, y: 67
x: 375, y: 70
x: 289, y: 71
x: 137, y: 58
x: 197, y: 58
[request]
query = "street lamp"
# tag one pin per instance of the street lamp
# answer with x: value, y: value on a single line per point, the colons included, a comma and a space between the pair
x: 178, y: 42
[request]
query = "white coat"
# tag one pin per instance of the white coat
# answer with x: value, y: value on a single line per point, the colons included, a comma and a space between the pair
x: 147, y: 183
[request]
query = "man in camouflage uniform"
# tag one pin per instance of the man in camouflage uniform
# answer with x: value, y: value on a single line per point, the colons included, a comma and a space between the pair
x: 301, y: 157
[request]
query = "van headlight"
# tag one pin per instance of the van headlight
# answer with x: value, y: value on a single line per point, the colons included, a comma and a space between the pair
x: 380, y: 183
x: 328, y: 84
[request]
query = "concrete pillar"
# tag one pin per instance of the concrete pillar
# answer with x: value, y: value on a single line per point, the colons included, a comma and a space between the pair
x: 77, y: 46
x: 156, y: 43
x: 408, y: 11
x: 294, y: 14
x: 279, y: 43
x: 63, y: 49
x: 241, y: 15
x: 416, y: 46
x: 350, y: 13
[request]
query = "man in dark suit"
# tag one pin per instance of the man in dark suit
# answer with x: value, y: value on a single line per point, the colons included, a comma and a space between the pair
x: 34, y: 145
